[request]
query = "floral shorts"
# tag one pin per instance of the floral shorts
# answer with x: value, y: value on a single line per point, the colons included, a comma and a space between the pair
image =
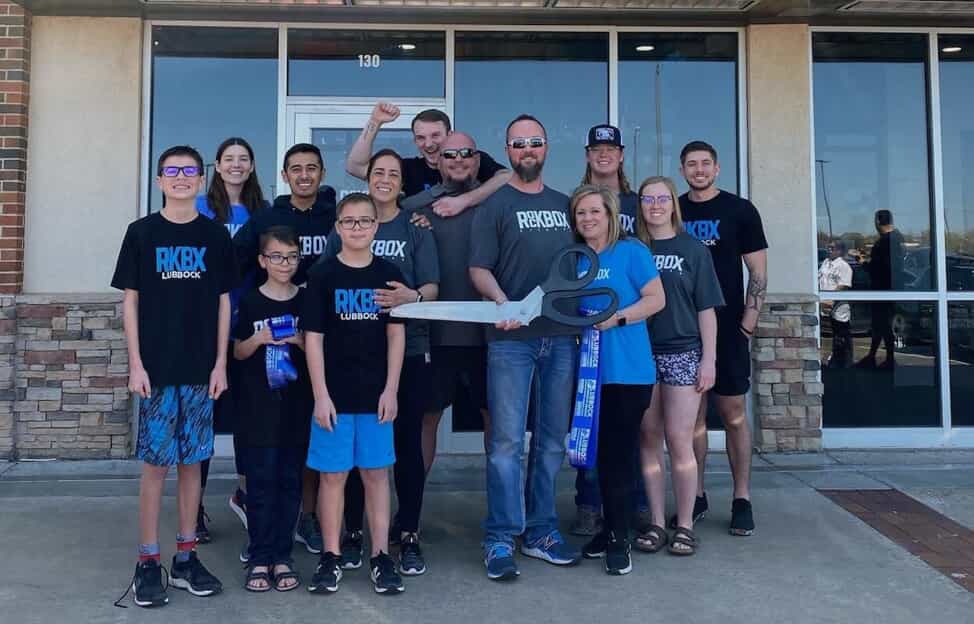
x: 678, y: 369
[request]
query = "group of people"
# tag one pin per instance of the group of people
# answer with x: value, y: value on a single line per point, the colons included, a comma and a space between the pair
x: 326, y: 391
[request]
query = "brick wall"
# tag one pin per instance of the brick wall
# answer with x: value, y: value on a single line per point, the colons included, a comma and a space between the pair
x: 14, y: 81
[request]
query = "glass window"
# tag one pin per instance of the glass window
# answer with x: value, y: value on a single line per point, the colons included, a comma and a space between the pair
x: 335, y: 143
x: 879, y: 364
x: 675, y: 88
x: 960, y: 319
x: 366, y: 63
x: 957, y: 136
x: 560, y: 78
x: 871, y: 156
x: 209, y: 84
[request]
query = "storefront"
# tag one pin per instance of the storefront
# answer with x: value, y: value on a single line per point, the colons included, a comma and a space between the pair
x: 820, y: 125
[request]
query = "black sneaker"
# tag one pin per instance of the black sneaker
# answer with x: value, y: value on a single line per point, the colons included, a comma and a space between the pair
x: 411, y: 562
x: 595, y: 549
x: 192, y: 576
x: 147, y: 585
x: 385, y: 579
x: 327, y: 575
x: 742, y: 519
x: 618, y: 560
x: 352, y: 550
x: 202, y: 532
x: 700, y: 509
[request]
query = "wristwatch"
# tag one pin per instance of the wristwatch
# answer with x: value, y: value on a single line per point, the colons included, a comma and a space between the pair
x: 419, y: 297
x: 621, y: 319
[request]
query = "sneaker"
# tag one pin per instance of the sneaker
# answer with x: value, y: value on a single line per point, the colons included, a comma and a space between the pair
x: 192, y: 576
x: 588, y: 521
x: 618, y: 559
x: 352, y: 550
x: 327, y: 575
x: 742, y: 518
x: 411, y: 562
x: 499, y: 560
x: 147, y: 585
x: 385, y: 579
x: 309, y: 533
x: 553, y: 549
x: 700, y: 509
x: 202, y: 532
x: 238, y: 504
x: 595, y: 548
x: 245, y: 553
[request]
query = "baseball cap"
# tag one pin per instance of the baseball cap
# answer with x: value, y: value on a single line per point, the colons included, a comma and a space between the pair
x: 604, y: 135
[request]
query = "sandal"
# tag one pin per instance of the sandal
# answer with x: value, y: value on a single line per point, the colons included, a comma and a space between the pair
x: 652, y: 539
x: 684, y: 543
x: 253, y: 576
x: 285, y: 575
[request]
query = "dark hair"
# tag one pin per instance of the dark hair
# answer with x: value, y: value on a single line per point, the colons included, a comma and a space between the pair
x: 283, y: 234
x: 525, y: 117
x: 383, y: 152
x: 697, y: 146
x: 432, y: 115
x: 355, y: 198
x: 179, y: 150
x: 884, y: 217
x: 251, y: 196
x: 303, y: 148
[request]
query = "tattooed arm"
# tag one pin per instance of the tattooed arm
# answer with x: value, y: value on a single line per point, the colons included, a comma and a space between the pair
x: 357, y: 162
x: 757, y: 288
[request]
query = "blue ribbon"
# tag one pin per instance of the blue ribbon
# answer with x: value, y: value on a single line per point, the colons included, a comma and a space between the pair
x: 277, y: 358
x: 583, y: 441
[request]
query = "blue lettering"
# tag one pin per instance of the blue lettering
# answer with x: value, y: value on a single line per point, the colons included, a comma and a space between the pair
x: 180, y: 258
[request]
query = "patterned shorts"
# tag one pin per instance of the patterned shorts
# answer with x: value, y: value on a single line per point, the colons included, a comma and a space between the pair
x: 176, y: 426
x: 678, y: 369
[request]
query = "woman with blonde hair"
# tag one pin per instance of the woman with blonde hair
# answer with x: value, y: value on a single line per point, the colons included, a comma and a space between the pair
x: 684, y: 349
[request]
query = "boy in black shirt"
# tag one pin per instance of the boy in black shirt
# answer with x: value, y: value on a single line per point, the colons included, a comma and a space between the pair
x: 271, y: 430
x: 175, y: 266
x: 362, y: 358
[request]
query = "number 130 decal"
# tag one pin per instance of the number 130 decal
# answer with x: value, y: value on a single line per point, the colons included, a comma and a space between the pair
x: 370, y: 61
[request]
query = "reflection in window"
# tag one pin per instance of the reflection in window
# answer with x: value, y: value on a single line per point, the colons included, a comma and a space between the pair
x: 960, y: 335
x: 212, y: 83
x: 675, y: 88
x: 879, y: 364
x: 335, y: 143
x: 871, y: 155
x: 560, y: 78
x: 957, y: 135
x: 366, y: 63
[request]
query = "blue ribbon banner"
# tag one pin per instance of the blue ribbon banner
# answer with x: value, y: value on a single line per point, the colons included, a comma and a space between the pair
x: 583, y: 441
x: 277, y: 358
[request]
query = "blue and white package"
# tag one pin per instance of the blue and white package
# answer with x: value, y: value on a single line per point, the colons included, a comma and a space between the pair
x: 277, y: 358
x: 583, y: 440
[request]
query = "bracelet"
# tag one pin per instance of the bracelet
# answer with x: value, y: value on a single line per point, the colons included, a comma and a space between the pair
x: 746, y: 331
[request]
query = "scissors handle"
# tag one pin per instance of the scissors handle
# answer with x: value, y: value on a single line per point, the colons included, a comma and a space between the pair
x: 557, y: 281
x: 548, y: 307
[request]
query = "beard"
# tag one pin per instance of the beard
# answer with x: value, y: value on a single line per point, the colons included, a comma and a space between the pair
x: 529, y: 173
x: 462, y: 185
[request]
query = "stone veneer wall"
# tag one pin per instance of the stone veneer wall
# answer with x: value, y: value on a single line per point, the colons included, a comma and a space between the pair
x: 787, y: 390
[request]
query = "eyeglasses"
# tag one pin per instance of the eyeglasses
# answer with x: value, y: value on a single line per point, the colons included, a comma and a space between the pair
x: 190, y: 171
x: 650, y: 200
x: 525, y: 142
x: 350, y: 223
x: 276, y: 258
x: 455, y: 154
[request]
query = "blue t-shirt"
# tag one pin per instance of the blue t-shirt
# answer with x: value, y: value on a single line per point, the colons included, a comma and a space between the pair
x: 626, y: 356
x: 238, y: 216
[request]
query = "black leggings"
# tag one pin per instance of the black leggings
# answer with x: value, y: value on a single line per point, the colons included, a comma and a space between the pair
x: 410, y: 472
x: 620, y: 415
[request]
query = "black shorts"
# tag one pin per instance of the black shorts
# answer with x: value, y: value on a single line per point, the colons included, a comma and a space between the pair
x: 733, y: 360
x: 456, y: 370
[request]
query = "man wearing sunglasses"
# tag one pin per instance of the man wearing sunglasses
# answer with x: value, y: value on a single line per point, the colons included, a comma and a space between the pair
x: 430, y: 128
x: 514, y: 237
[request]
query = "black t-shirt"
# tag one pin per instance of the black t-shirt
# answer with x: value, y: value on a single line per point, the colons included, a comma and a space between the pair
x: 265, y: 417
x: 418, y: 176
x: 340, y: 305
x: 730, y: 227
x: 180, y: 270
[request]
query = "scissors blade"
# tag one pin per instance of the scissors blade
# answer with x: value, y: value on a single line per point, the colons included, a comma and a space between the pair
x: 468, y: 311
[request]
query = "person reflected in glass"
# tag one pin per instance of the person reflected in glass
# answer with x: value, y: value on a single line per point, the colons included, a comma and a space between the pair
x: 885, y: 270
x: 834, y: 275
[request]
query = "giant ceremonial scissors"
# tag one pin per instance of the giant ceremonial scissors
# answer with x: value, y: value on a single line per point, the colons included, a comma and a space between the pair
x: 539, y: 302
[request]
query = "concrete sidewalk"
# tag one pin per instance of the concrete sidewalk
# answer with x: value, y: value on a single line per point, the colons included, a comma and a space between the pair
x: 68, y: 535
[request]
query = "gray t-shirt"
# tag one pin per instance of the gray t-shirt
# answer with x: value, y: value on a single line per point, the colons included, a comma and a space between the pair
x: 515, y: 235
x: 691, y: 285
x: 413, y: 250
x: 452, y: 236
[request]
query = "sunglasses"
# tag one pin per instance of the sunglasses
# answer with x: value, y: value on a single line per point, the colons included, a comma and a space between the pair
x: 191, y: 171
x: 525, y: 142
x: 276, y: 258
x: 350, y: 223
x: 650, y: 200
x: 455, y: 154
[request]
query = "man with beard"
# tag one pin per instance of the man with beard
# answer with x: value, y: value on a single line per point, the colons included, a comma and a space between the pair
x: 730, y: 227
x: 458, y: 355
x: 514, y: 237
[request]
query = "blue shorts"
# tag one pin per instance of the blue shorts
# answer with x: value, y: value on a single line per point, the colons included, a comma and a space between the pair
x: 358, y: 441
x: 176, y: 426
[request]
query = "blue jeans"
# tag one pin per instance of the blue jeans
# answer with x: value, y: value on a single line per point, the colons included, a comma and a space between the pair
x: 519, y: 373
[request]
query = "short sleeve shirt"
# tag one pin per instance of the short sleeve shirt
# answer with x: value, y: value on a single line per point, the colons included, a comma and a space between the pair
x: 833, y: 274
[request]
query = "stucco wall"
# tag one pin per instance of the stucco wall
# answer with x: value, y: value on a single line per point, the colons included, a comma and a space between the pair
x: 83, y: 150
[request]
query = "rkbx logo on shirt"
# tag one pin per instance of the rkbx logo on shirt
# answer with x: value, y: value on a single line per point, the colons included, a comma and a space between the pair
x: 180, y: 262
x: 389, y: 248
x: 541, y: 220
x: 669, y: 263
x: 706, y: 232
x: 312, y: 245
x: 356, y: 304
